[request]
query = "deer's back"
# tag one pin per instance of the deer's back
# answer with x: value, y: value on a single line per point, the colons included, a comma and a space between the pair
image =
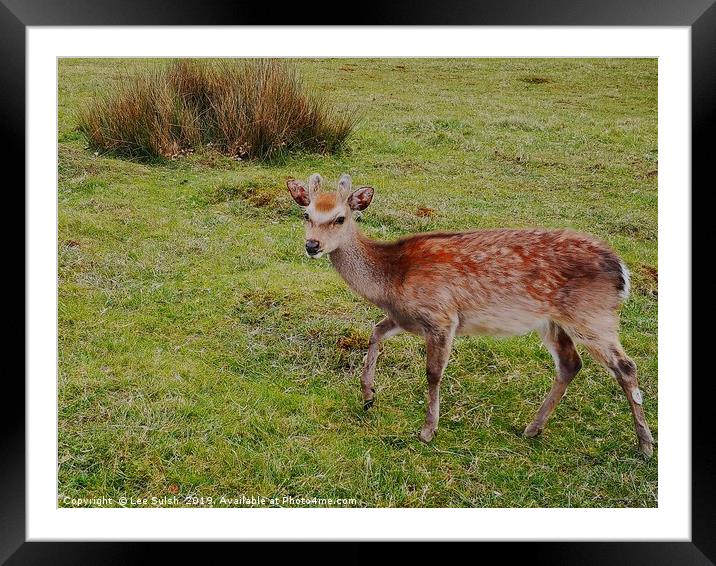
x: 518, y: 277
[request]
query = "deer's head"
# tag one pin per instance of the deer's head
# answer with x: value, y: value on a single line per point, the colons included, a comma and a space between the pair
x: 328, y: 217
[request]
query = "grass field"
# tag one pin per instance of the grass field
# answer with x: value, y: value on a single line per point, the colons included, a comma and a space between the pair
x: 202, y: 354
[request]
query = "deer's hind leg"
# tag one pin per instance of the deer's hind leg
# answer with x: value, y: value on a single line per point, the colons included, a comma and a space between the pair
x: 568, y: 363
x: 610, y: 354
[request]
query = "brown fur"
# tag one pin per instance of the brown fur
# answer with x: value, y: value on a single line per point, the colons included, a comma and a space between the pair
x: 325, y: 202
x: 462, y: 272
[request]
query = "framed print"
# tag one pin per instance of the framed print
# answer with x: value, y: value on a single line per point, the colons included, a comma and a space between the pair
x: 426, y: 276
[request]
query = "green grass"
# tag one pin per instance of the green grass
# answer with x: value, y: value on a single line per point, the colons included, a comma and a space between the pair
x: 201, y: 352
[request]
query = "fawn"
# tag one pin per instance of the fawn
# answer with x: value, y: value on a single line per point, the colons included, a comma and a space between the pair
x: 565, y: 285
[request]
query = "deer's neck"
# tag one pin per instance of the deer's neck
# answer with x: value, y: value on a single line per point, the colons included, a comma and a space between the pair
x: 359, y: 262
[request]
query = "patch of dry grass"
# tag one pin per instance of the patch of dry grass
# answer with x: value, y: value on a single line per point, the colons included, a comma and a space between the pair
x: 255, y: 108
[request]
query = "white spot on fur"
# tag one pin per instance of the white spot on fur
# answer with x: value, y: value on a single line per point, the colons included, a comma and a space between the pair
x: 637, y: 396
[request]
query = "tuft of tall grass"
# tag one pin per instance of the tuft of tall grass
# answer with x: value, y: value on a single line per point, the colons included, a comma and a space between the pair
x: 255, y: 108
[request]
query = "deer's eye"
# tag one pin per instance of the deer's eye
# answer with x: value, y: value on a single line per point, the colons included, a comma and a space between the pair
x: 305, y: 216
x: 340, y: 220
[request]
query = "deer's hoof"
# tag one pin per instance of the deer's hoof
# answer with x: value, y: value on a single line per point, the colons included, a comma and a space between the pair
x: 427, y: 434
x: 646, y: 448
x: 531, y: 431
x: 368, y: 404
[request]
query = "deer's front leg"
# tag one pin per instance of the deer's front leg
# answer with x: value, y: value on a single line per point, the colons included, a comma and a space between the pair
x: 439, y: 344
x: 384, y: 329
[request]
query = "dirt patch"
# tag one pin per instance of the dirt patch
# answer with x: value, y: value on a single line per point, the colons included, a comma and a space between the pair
x: 399, y: 67
x: 646, y: 280
x: 651, y: 272
x: 212, y: 159
x: 408, y: 166
x: 261, y: 299
x: 518, y: 159
x: 551, y: 164
x: 424, y: 212
x: 72, y: 243
x: 525, y: 161
x: 257, y: 306
x: 648, y: 175
x: 223, y: 193
x: 643, y: 167
x: 352, y: 341
x: 250, y: 192
x: 536, y: 80
x: 261, y: 199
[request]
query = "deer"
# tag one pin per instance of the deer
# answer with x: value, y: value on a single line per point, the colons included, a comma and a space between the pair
x: 566, y: 286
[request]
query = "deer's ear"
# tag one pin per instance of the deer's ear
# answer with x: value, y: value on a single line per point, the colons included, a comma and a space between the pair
x: 299, y: 192
x: 360, y: 198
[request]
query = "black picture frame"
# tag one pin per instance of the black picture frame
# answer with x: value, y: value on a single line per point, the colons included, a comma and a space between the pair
x: 699, y: 15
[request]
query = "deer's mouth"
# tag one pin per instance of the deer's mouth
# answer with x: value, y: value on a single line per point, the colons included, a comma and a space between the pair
x: 315, y: 255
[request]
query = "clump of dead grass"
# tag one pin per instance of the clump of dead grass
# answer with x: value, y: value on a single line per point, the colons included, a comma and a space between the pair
x: 256, y: 108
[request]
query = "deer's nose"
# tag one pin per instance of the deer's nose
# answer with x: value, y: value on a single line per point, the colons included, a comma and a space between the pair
x: 312, y: 246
